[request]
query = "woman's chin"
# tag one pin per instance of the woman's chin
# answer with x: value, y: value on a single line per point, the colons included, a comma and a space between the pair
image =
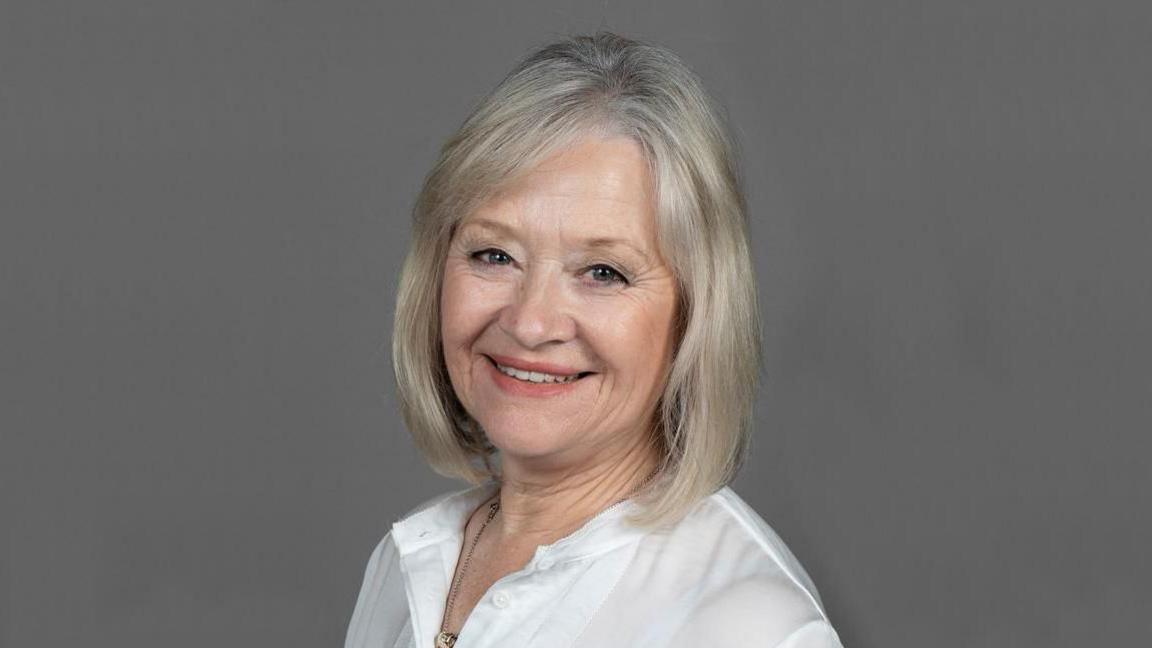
x: 526, y: 441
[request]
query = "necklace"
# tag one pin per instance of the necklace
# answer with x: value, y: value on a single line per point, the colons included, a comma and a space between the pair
x: 445, y: 639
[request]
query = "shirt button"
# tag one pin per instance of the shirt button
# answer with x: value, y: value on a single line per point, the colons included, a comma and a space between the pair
x: 501, y: 599
x: 545, y: 563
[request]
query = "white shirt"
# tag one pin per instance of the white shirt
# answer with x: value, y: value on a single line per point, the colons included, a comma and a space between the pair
x: 720, y: 577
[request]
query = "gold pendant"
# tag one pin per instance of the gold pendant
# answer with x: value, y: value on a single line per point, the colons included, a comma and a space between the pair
x: 445, y: 640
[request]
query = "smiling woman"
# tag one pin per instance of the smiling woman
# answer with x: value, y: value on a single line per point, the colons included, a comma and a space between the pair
x: 550, y: 306
x: 577, y: 338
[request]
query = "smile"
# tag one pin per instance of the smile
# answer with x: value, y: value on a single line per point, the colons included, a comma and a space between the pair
x: 533, y: 384
x: 536, y: 377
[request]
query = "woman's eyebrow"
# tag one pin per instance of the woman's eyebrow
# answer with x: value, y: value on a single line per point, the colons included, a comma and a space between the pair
x: 603, y: 243
x: 595, y: 243
x: 488, y: 224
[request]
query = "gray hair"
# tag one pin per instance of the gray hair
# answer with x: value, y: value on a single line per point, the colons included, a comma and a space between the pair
x: 606, y: 85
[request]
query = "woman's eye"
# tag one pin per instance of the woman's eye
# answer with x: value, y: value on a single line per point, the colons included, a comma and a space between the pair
x: 492, y: 256
x: 606, y: 274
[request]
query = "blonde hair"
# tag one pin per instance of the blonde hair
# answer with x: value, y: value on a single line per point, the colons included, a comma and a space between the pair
x: 606, y: 85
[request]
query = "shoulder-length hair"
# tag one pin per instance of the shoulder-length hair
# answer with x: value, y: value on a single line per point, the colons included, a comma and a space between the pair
x: 603, y: 85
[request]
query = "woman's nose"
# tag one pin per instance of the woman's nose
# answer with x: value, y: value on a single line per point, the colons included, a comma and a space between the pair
x: 538, y: 312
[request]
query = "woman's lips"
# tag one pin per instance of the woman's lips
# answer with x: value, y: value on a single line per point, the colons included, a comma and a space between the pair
x: 517, y: 387
x: 538, y: 367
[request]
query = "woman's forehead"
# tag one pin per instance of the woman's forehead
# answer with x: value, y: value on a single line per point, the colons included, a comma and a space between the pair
x: 601, y: 184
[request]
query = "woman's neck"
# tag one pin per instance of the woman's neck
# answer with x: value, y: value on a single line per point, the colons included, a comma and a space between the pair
x: 543, y: 507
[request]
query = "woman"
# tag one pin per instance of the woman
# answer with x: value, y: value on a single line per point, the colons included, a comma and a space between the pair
x: 577, y: 336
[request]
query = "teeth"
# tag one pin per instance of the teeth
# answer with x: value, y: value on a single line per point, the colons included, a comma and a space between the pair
x: 532, y: 376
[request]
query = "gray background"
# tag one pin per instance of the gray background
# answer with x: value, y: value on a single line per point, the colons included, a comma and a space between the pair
x: 203, y: 209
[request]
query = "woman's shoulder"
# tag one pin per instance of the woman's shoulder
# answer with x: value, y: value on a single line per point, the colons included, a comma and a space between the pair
x: 734, y: 571
x: 728, y: 513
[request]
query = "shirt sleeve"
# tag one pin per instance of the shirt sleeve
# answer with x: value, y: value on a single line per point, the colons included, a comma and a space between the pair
x: 371, y: 590
x: 760, y: 612
x: 814, y: 634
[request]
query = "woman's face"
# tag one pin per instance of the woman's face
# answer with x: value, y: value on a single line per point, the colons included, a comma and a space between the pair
x: 560, y: 274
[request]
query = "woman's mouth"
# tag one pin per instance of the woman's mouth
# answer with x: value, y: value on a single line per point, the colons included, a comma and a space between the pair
x: 532, y: 380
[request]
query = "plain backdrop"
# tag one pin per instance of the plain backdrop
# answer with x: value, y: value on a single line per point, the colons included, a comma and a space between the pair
x: 203, y: 211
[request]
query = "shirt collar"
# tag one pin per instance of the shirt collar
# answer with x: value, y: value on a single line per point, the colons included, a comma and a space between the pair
x: 443, y: 519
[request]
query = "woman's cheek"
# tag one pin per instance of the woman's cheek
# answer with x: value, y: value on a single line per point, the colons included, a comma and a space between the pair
x: 618, y: 321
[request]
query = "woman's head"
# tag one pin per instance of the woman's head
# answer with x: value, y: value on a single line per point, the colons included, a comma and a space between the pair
x: 560, y: 275
x: 591, y: 138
